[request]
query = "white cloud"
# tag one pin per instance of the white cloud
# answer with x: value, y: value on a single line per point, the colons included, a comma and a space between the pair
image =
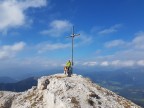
x: 12, y: 12
x: 79, y: 41
x: 123, y: 63
x: 58, y: 28
x: 112, y: 63
x: 84, y: 38
x: 92, y: 63
x: 8, y: 51
x: 128, y: 63
x: 43, y: 47
x: 139, y: 42
x: 25, y: 4
x: 140, y: 62
x: 105, y: 63
x: 19, y: 66
x: 131, y: 50
x: 135, y: 43
x: 131, y: 55
x: 10, y: 15
x: 115, y: 63
x: 110, y: 30
x: 115, y: 43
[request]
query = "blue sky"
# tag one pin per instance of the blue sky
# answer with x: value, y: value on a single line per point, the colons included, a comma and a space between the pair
x: 32, y: 33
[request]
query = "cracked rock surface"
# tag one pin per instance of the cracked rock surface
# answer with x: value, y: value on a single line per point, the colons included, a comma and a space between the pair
x: 59, y: 91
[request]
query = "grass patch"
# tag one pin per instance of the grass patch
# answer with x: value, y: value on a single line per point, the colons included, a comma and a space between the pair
x: 75, y: 102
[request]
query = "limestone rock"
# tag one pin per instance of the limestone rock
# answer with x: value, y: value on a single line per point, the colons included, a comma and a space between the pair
x: 59, y: 91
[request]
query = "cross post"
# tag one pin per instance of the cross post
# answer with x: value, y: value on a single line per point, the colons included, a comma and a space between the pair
x: 72, y: 56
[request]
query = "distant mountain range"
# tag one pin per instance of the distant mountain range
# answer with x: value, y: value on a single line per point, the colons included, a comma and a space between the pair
x: 19, y: 86
x: 7, y: 80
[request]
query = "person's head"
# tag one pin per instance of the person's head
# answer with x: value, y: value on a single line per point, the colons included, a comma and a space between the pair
x: 69, y: 61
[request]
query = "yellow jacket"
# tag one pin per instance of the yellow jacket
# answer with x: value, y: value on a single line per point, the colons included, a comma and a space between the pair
x: 68, y: 64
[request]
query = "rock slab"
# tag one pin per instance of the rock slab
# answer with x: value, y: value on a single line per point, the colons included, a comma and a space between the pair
x: 60, y: 91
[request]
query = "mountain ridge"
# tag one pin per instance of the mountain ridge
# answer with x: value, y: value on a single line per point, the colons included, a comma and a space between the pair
x: 19, y: 86
x: 59, y: 91
x: 5, y: 79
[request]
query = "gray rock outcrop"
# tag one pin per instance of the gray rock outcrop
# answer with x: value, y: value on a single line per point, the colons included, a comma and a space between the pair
x: 59, y: 91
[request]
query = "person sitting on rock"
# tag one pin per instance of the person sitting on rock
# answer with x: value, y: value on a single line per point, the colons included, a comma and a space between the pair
x: 65, y: 70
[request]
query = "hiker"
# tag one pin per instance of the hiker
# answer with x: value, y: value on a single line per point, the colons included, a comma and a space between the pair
x: 68, y: 65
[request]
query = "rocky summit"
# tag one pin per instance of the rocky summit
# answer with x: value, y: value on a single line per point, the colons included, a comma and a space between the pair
x: 60, y: 91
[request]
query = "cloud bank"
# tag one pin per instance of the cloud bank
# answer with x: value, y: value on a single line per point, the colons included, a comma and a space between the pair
x: 131, y: 53
x: 12, y: 12
x: 8, y: 51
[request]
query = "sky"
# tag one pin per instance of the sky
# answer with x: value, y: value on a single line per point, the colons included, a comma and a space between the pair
x: 33, y: 34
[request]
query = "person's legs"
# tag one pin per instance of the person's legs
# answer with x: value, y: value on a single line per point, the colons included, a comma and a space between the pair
x: 69, y: 72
